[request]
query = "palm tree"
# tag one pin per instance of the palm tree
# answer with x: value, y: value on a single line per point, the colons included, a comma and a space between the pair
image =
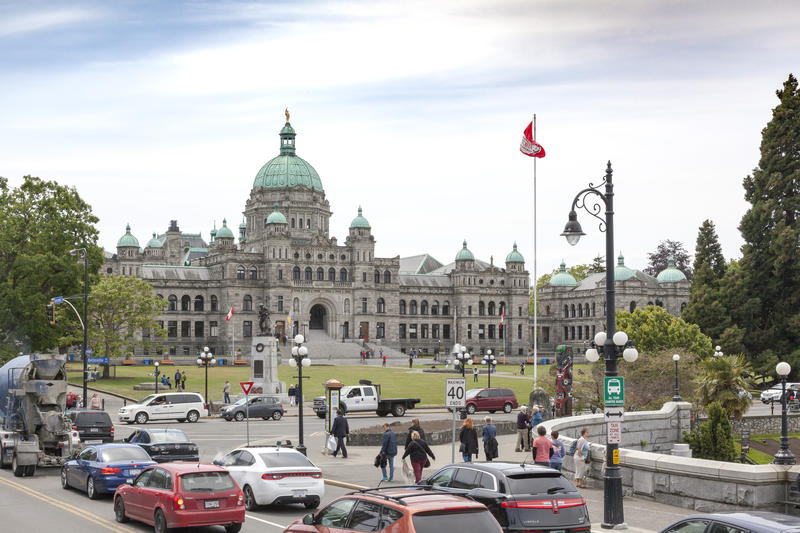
x: 725, y: 379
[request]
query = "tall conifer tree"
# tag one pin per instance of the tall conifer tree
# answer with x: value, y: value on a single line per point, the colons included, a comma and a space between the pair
x: 706, y: 308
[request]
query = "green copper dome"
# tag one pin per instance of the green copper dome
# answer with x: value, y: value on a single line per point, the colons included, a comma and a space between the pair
x: 276, y: 217
x: 670, y: 274
x: 464, y: 254
x: 563, y: 278
x: 359, y: 221
x: 515, y: 256
x: 127, y: 239
x: 154, y: 243
x: 621, y: 272
x: 287, y: 169
x: 224, y: 232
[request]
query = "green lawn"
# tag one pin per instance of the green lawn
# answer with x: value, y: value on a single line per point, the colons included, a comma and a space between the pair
x: 394, y: 381
x: 758, y: 457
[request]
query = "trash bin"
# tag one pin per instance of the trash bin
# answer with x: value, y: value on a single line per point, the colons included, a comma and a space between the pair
x: 72, y: 357
x: 545, y: 360
x: 221, y: 361
x: 146, y: 362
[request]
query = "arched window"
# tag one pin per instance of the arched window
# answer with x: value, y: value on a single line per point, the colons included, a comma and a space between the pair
x: 446, y: 308
x: 547, y: 310
x: 481, y: 309
x: 254, y: 273
x: 387, y: 276
x: 343, y: 274
x: 586, y: 331
x: 501, y: 308
x: 519, y: 331
x: 423, y: 307
x: 586, y: 309
x: 402, y: 307
x: 632, y: 307
x: 572, y: 310
x: 199, y: 303
x: 580, y: 310
x: 491, y: 308
x: 293, y: 222
x: 331, y: 274
x: 240, y: 272
x: 659, y: 303
x: 309, y: 274
x: 347, y: 306
x: 683, y: 306
x: 214, y: 304
x: 296, y: 273
x: 381, y: 305
x: 320, y: 274
x: 186, y: 302
x: 247, y: 303
x: 566, y: 311
x: 593, y: 309
x: 173, y: 302
x: 377, y: 277
x: 412, y: 307
x: 435, y: 307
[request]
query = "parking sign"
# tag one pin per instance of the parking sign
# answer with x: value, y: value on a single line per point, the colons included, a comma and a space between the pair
x: 455, y: 392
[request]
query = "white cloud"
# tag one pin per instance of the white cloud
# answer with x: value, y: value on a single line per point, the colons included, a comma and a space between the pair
x: 44, y: 20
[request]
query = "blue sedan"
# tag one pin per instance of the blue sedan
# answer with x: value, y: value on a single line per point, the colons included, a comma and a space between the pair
x: 102, y: 468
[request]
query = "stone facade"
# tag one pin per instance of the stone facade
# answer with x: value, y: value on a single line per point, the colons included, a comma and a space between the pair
x: 285, y: 258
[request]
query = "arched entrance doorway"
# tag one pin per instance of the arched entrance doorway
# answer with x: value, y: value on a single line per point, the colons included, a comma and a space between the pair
x: 317, y: 320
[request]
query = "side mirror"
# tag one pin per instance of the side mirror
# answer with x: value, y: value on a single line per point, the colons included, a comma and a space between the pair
x: 308, y: 519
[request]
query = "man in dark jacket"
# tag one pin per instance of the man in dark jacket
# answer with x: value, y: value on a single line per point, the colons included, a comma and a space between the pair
x: 388, y: 450
x: 340, y: 430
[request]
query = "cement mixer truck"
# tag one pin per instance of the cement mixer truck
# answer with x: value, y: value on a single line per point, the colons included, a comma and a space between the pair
x: 33, y: 428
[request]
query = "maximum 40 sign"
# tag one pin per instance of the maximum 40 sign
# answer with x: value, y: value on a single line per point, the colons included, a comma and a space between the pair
x: 455, y: 392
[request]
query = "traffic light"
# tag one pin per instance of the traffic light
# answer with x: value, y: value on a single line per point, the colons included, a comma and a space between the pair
x: 51, y: 312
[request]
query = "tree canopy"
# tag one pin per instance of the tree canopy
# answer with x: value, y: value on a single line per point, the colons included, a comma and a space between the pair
x: 652, y: 329
x: 658, y: 260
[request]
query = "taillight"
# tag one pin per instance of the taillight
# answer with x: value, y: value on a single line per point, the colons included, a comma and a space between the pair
x: 205, y: 406
x: 555, y: 505
x: 177, y: 499
x: 281, y: 475
x: 316, y: 475
x: 108, y: 470
x: 112, y: 431
x: 272, y: 476
x: 240, y: 501
x: 75, y: 428
x: 155, y: 449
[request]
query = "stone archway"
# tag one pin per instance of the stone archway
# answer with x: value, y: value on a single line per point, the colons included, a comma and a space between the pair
x: 318, y: 318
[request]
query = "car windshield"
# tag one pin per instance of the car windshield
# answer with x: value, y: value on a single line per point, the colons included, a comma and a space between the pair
x: 240, y: 401
x: 462, y: 520
x: 170, y: 435
x: 207, y: 482
x: 471, y: 393
x: 147, y: 399
x: 288, y: 459
x: 92, y: 419
x: 537, y: 483
x: 134, y: 453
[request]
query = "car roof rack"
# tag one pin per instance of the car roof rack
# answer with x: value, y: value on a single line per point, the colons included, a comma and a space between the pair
x: 428, y: 491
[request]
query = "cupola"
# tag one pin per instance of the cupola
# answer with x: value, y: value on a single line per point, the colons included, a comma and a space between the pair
x: 670, y: 274
x: 563, y: 278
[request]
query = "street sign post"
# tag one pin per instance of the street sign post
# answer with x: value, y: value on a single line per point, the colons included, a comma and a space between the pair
x: 97, y: 360
x: 614, y: 391
x: 58, y: 300
x: 246, y: 386
x: 614, y: 413
x: 455, y: 398
x: 614, y: 432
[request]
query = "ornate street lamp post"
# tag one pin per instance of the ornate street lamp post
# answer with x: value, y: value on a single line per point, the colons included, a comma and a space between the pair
x: 299, y: 359
x: 677, y: 396
x: 206, y: 358
x: 86, y: 317
x: 718, y: 351
x: 463, y: 359
x: 613, y: 514
x: 490, y: 361
x: 784, y: 455
x: 156, y: 374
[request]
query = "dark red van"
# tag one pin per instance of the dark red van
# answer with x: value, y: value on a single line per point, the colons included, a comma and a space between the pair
x: 494, y: 399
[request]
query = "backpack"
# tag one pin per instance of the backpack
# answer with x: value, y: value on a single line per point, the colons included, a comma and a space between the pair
x: 573, y: 447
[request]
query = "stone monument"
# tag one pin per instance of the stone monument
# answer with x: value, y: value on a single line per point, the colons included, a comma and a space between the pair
x: 264, y: 357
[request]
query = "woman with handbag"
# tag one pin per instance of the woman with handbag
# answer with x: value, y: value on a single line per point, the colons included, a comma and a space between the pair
x: 582, y: 457
x: 419, y: 452
x: 469, y: 440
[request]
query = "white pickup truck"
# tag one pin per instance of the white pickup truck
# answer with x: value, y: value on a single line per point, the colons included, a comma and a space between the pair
x: 366, y: 397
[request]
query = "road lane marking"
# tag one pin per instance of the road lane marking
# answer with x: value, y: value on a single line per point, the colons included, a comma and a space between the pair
x: 107, y: 524
x: 251, y: 517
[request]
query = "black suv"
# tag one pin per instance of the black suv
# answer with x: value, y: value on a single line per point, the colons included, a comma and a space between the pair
x: 521, y: 497
x: 93, y: 426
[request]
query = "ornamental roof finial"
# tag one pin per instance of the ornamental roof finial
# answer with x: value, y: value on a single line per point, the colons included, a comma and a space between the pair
x: 286, y: 112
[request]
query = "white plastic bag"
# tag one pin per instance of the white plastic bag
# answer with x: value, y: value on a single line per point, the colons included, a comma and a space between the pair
x: 408, y: 473
x: 331, y: 444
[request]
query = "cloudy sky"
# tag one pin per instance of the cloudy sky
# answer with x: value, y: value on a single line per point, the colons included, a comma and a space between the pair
x: 412, y: 109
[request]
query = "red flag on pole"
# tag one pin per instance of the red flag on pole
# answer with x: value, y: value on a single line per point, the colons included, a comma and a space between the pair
x: 230, y: 314
x: 528, y: 146
x: 502, y: 317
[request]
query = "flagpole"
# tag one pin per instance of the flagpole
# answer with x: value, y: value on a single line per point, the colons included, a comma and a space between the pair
x: 535, y: 279
x: 233, y: 338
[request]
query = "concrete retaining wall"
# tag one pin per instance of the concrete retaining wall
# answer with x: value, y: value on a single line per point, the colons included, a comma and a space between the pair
x: 371, y: 437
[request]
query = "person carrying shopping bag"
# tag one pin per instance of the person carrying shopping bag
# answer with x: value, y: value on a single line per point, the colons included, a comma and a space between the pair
x: 419, y: 452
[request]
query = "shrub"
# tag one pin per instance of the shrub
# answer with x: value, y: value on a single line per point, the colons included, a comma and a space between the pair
x: 714, y: 440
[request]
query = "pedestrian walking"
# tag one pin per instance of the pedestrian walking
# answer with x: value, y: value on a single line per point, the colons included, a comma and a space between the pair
x: 183, y: 380
x: 542, y: 447
x: 489, y: 435
x: 411, y: 361
x: 522, y: 368
x: 384, y: 360
x: 340, y: 430
x: 419, y: 452
x: 95, y: 402
x: 522, y: 430
x: 226, y: 392
x: 388, y: 450
x: 469, y: 440
x: 415, y: 427
x: 291, y: 392
x: 297, y: 395
x: 177, y: 379
x: 581, y: 457
x: 559, y: 451
x: 475, y: 374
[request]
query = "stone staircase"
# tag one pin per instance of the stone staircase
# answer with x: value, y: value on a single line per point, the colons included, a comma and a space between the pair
x: 323, y: 348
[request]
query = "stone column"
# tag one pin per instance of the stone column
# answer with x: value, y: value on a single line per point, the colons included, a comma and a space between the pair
x: 264, y: 365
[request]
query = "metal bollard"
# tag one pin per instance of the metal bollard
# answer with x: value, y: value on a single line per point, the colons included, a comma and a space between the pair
x: 124, y: 402
x: 103, y: 404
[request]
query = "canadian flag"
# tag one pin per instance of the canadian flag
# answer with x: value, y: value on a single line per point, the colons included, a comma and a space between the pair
x: 502, y: 317
x: 230, y: 314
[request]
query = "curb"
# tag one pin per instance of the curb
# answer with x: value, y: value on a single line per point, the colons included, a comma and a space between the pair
x: 344, y: 485
x: 114, y: 394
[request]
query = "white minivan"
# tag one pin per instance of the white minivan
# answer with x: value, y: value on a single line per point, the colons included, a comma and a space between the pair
x: 180, y: 406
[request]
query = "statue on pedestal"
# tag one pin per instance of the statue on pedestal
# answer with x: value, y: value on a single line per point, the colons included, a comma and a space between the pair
x: 263, y: 320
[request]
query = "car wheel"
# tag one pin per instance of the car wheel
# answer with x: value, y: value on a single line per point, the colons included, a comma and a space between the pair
x: 277, y: 415
x: 233, y: 528
x: 249, y: 499
x: 192, y: 416
x: 119, y: 510
x: 321, y: 415
x: 471, y: 408
x: 142, y: 418
x: 18, y: 469
x: 91, y: 490
x: 398, y: 409
x: 30, y: 470
x: 64, y: 483
x: 507, y: 408
x: 160, y: 522
x: 239, y: 416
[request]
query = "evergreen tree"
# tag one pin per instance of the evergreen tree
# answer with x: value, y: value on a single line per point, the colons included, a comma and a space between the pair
x: 708, y: 252
x: 705, y: 307
x: 714, y: 440
x: 770, y: 264
x: 658, y: 259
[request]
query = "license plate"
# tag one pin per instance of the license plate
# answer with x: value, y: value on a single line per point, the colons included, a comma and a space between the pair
x: 302, y: 494
x: 134, y: 471
x: 93, y: 441
x: 212, y: 504
x: 94, y: 430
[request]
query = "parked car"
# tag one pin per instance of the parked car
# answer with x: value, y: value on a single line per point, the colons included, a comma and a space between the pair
x: 274, y: 475
x: 165, y: 445
x: 520, y: 496
x: 180, y: 406
x: 265, y: 407
x: 494, y: 399
x: 182, y: 495
x: 404, y: 510
x: 735, y: 522
x: 93, y: 426
x: 102, y: 468
x: 773, y: 394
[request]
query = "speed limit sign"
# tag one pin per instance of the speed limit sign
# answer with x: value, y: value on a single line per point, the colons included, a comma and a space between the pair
x: 455, y: 392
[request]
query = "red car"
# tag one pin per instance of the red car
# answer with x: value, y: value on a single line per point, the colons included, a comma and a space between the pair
x: 494, y: 399
x: 173, y: 495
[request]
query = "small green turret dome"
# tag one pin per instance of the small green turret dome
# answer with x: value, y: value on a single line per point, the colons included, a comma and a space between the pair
x: 243, y: 225
x: 154, y: 242
x: 670, y: 274
x: 359, y: 221
x: 515, y: 256
x: 563, y: 278
x: 276, y: 217
x: 127, y: 240
x: 621, y: 272
x: 464, y: 254
x: 224, y: 232
x: 287, y: 169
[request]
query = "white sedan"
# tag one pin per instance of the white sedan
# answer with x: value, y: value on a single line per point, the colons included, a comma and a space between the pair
x: 271, y: 475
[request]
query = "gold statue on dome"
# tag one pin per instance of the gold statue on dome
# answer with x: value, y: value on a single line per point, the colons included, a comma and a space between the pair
x: 286, y: 111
